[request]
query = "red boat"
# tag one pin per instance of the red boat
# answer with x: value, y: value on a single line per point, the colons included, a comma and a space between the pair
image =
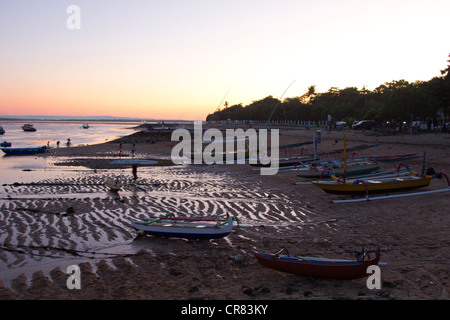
x: 320, y: 267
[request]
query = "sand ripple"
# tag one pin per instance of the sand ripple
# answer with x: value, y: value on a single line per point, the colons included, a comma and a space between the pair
x: 38, y: 231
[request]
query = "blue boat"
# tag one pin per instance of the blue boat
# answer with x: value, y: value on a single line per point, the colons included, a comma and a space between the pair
x: 5, y: 144
x: 164, y: 227
x: 24, y: 151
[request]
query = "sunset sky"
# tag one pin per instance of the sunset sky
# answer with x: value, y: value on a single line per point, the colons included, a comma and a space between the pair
x: 178, y: 59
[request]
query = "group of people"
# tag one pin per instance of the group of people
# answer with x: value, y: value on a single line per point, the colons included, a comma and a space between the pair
x: 69, y: 143
x: 133, y: 148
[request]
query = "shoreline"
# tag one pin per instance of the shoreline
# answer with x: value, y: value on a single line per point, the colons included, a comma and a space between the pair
x: 117, y: 264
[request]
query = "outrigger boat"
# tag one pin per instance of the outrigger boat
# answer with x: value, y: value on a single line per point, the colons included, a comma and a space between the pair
x: 381, y: 184
x: 320, y: 267
x: 338, y: 168
x: 184, y: 228
x: 372, y: 185
x: 290, y: 161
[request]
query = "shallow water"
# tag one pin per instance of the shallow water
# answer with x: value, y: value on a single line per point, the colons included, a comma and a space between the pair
x: 53, y: 131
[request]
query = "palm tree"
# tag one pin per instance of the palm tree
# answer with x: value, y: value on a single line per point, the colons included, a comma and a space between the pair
x: 309, y: 95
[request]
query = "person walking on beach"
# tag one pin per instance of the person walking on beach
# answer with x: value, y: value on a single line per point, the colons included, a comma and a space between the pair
x: 120, y: 149
x: 68, y: 142
x: 134, y: 171
x: 57, y: 144
x: 133, y: 149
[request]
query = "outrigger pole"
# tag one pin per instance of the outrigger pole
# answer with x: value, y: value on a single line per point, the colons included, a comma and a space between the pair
x: 390, y: 196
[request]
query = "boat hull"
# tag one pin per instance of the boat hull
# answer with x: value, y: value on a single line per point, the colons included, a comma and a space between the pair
x: 28, y: 127
x: 316, y: 267
x: 355, y: 170
x: 287, y: 162
x: 398, y: 184
x: 23, y: 151
x: 186, y: 231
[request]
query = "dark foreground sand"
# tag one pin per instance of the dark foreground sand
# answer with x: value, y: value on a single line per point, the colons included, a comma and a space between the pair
x: 41, y: 237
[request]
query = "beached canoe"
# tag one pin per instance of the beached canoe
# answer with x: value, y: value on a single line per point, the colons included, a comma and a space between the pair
x: 290, y: 161
x: 188, y: 230
x: 373, y: 185
x: 23, y: 151
x: 319, y: 267
x: 337, y: 168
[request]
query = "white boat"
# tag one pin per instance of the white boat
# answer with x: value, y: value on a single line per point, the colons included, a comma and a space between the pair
x: 28, y: 127
x: 188, y: 230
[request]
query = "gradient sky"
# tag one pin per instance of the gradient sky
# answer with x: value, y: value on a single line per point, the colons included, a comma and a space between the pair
x: 178, y: 59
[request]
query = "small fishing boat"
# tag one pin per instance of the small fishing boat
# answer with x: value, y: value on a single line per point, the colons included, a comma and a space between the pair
x: 85, y: 126
x: 114, y: 185
x: 389, y: 183
x: 28, y: 127
x: 2, y: 131
x: 320, y: 267
x: 164, y: 227
x: 290, y: 161
x: 23, y: 151
x: 338, y: 168
x: 5, y: 144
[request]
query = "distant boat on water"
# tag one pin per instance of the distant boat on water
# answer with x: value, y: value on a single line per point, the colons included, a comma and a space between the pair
x: 28, y: 127
x: 2, y: 131
x: 85, y: 126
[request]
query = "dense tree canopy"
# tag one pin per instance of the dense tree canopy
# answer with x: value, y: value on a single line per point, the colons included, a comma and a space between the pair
x: 396, y: 100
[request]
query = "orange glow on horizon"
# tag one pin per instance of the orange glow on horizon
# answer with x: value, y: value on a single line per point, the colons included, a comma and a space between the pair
x: 151, y: 60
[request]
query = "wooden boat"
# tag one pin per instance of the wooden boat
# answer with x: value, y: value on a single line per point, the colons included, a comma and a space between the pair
x: 28, y: 127
x: 394, y: 157
x: 423, y: 179
x: 23, y: 151
x: 319, y: 267
x: 338, y: 169
x: 289, y: 161
x: 188, y: 230
x: 390, y: 183
x: 114, y: 185
x: 5, y: 144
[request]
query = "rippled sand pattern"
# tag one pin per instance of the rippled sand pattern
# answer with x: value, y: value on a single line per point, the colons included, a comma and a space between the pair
x: 37, y: 232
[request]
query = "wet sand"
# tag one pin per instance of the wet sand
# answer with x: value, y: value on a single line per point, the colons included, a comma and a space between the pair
x: 51, y: 223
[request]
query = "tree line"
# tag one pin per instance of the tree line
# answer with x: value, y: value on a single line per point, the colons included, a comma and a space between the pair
x: 398, y: 100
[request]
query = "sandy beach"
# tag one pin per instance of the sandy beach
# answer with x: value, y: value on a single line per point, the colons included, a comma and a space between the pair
x: 72, y: 219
